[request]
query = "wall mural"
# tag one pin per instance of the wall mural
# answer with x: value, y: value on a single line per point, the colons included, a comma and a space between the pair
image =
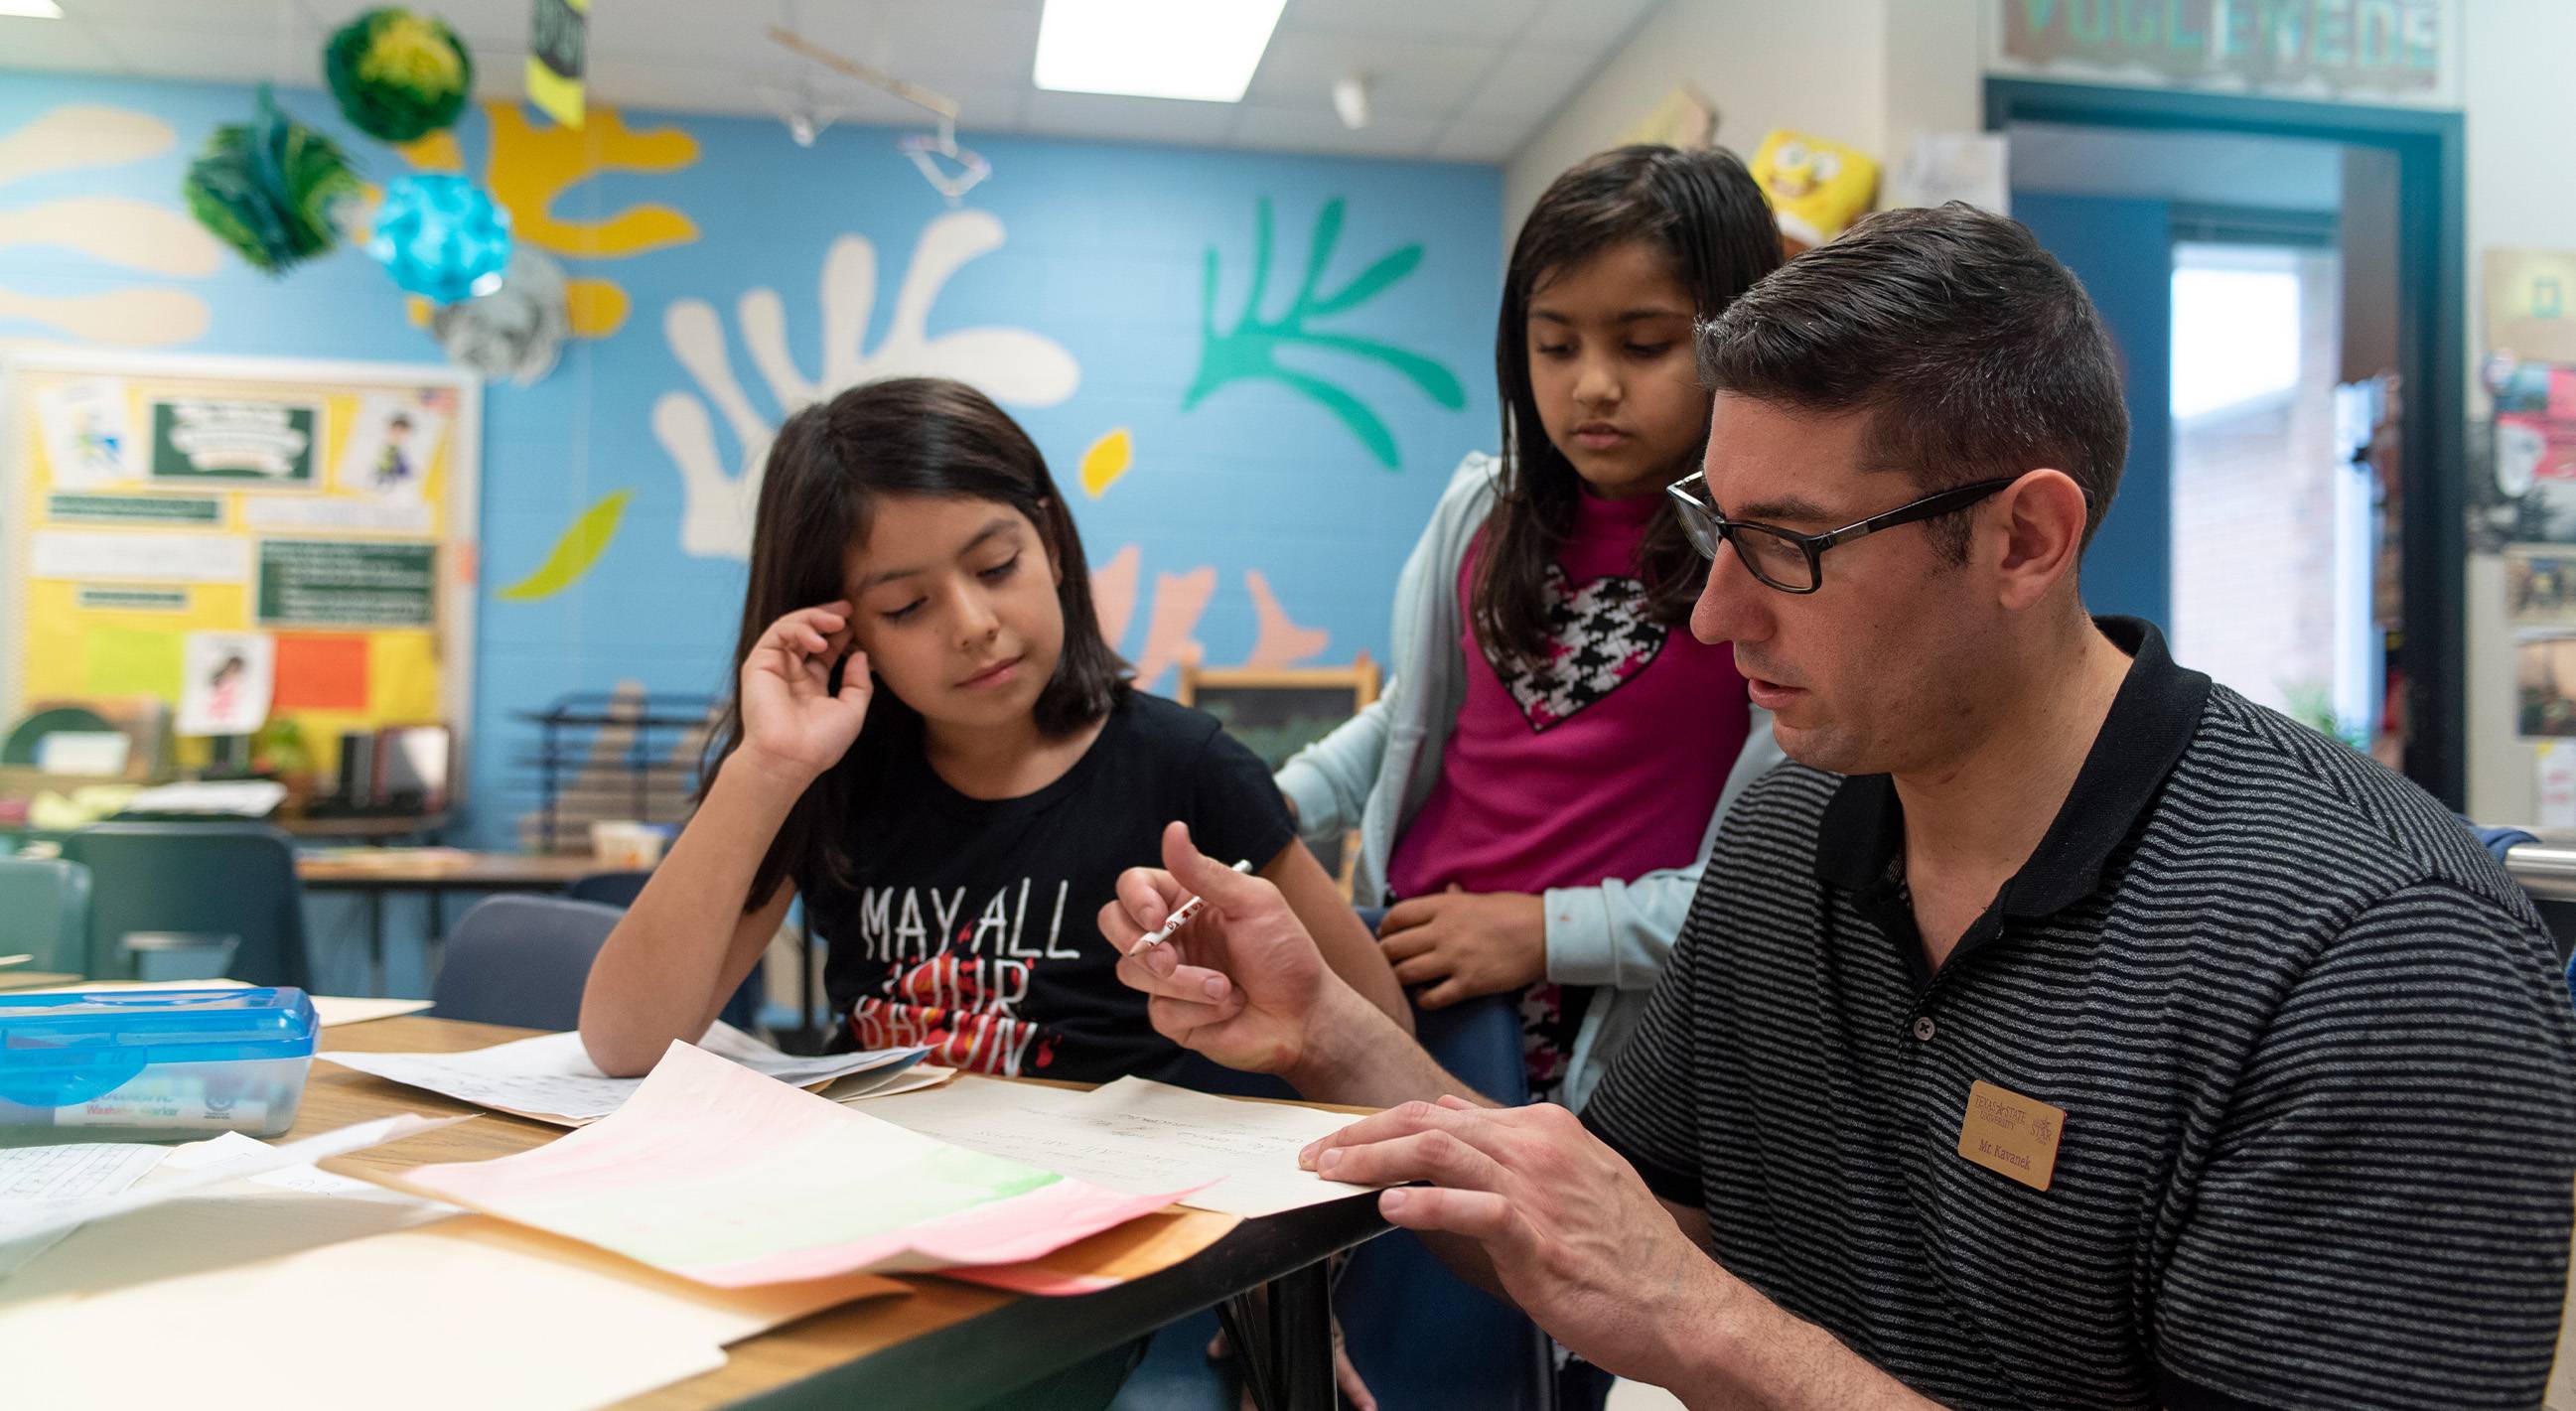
x: 153, y: 237
x: 1249, y: 484
x: 1013, y: 366
x: 1251, y: 349
x: 529, y: 168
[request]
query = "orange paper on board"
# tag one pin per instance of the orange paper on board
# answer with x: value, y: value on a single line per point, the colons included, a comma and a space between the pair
x: 320, y: 672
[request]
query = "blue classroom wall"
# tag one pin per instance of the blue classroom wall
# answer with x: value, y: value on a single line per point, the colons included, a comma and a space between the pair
x: 1085, y: 258
x: 1082, y: 270
x: 2122, y: 248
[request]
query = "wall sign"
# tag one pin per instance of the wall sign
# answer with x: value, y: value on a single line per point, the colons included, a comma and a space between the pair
x: 2383, y: 47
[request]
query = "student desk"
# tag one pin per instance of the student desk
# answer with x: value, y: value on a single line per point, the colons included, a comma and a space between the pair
x: 947, y: 1344
x: 434, y: 872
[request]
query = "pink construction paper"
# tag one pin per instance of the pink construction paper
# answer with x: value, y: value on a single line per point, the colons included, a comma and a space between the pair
x: 722, y: 1175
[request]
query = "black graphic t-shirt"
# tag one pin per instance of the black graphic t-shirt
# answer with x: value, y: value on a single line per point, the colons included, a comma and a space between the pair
x: 972, y: 925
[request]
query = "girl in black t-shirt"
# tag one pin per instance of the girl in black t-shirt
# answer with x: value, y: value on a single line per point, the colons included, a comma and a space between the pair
x: 933, y: 745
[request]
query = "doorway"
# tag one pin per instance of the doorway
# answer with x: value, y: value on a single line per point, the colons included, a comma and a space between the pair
x: 2282, y: 280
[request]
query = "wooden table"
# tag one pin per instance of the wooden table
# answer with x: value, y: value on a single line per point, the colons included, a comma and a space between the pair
x: 947, y: 1344
x: 434, y: 872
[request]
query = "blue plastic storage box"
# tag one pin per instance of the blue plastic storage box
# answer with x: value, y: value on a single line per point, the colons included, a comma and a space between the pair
x: 115, y: 1064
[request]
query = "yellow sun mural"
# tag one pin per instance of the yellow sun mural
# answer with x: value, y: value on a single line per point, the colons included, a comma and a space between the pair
x: 529, y: 168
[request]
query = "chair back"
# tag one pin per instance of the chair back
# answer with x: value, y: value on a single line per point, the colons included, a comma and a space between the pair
x: 620, y: 889
x: 521, y: 960
x: 608, y: 888
x: 49, y: 901
x: 222, y: 893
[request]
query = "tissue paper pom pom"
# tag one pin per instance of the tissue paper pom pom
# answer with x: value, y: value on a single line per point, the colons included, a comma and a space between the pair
x: 269, y: 188
x: 398, y: 75
x: 515, y: 331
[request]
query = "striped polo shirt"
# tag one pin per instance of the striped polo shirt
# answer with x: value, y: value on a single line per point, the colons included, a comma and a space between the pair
x: 2318, y: 1070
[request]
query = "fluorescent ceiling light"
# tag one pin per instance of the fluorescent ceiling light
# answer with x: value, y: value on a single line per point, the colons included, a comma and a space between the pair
x: 1199, y: 49
x: 31, y: 9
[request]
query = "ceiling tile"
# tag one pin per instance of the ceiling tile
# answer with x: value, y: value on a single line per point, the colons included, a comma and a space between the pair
x: 1600, y: 24
x: 1484, y: 21
x: 246, y: 57
x: 1476, y: 142
x: 1296, y: 130
x: 1129, y: 119
x: 479, y: 21
x: 56, y: 45
x: 987, y: 40
x: 1405, y: 76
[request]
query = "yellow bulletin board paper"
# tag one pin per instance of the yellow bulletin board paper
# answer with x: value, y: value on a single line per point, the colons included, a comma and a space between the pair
x: 146, y: 499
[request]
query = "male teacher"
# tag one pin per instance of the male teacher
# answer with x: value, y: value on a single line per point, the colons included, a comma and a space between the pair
x: 2058, y: 1029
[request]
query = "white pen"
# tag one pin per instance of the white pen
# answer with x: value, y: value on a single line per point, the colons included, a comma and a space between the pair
x: 1180, y: 916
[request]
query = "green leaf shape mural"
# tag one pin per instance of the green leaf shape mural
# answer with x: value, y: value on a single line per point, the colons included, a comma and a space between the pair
x: 574, y: 553
x: 1250, y: 350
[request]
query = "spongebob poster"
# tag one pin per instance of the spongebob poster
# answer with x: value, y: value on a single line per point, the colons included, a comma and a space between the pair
x: 1817, y: 187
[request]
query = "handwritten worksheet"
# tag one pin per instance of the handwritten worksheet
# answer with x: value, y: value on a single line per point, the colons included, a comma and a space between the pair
x: 44, y: 1217
x: 1135, y: 1134
x: 37, y: 1178
x: 552, y: 1079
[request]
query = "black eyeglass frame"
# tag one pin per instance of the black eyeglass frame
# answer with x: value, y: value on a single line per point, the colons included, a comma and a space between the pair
x: 1707, y: 527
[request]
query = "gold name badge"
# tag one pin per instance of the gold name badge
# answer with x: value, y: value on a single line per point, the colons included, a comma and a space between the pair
x: 2004, y: 1131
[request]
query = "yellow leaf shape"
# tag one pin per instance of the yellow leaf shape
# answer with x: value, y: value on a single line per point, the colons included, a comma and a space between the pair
x: 436, y: 152
x: 1107, y: 460
x: 530, y: 168
x: 599, y: 307
x: 574, y: 553
x: 417, y: 310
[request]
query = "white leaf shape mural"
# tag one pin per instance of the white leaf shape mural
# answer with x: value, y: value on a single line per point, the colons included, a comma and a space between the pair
x: 116, y: 230
x: 1013, y: 366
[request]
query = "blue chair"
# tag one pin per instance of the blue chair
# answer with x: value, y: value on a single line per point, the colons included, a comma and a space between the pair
x: 522, y: 961
x: 192, y: 900
x: 620, y: 889
x: 52, y: 897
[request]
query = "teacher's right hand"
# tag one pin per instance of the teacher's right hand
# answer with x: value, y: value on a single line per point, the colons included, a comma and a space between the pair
x: 792, y: 719
x: 1242, y: 982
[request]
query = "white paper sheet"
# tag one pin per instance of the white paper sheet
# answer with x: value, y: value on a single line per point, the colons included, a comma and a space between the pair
x: 20, y: 1223
x: 34, y: 1178
x: 273, y: 1213
x: 246, y: 798
x: 1136, y: 1135
x: 341, y: 1009
x: 866, y: 1086
x: 552, y: 1079
x: 83, y: 556
x: 407, y: 1321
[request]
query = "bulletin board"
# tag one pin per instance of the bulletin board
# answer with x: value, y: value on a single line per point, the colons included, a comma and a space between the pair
x: 307, y: 529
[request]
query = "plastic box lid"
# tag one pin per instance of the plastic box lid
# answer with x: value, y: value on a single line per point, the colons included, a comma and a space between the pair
x: 66, y: 1048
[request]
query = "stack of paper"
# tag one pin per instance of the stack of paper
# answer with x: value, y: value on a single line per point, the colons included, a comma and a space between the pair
x: 44, y: 1217
x: 37, y: 1178
x: 1136, y: 1135
x: 356, y: 1273
x: 280, y: 1210
x: 551, y: 1078
x: 716, y: 1173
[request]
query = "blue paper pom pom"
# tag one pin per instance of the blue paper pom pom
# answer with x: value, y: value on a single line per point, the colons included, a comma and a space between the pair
x: 441, y: 237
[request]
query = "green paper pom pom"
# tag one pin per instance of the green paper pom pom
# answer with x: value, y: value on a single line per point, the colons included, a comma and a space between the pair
x: 398, y: 75
x: 267, y: 188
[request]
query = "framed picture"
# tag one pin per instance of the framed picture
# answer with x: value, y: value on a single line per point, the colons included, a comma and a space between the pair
x: 1278, y: 711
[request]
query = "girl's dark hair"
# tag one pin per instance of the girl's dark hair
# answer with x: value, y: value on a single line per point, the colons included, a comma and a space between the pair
x: 1708, y: 216
x: 924, y: 436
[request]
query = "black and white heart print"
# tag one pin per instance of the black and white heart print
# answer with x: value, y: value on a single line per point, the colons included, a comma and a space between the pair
x: 1598, y: 638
